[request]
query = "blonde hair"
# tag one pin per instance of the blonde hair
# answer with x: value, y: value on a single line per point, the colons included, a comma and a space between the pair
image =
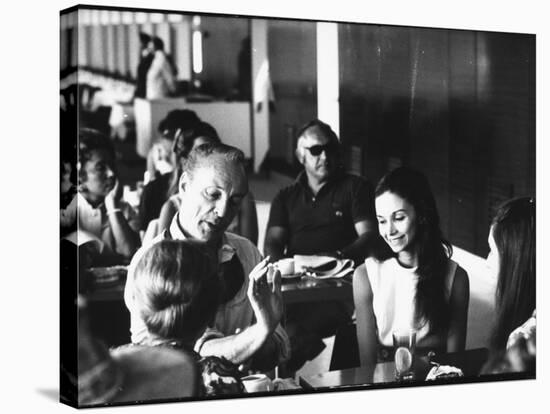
x: 176, y: 288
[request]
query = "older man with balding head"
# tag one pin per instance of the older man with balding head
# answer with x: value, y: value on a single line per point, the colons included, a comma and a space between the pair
x: 325, y: 211
x: 246, y: 326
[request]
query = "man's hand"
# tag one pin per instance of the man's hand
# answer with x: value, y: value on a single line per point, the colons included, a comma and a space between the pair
x: 112, y: 199
x: 264, y: 293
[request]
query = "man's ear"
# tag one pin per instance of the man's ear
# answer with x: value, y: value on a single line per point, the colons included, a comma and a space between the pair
x: 299, y: 153
x: 82, y: 176
x: 183, y: 183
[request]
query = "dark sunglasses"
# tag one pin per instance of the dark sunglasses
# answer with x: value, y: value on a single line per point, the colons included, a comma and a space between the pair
x: 316, y: 150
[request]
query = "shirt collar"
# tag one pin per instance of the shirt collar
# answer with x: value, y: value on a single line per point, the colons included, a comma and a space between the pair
x: 84, y: 204
x: 301, y: 179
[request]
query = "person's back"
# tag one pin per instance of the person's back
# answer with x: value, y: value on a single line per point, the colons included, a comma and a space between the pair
x: 177, y: 291
x: 128, y: 374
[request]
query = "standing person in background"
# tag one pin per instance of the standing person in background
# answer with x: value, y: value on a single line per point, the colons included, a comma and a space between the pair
x: 161, y: 77
x: 145, y: 60
x: 326, y: 211
x: 511, y: 259
x: 410, y: 282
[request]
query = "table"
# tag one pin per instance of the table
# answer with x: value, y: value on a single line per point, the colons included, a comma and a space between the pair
x: 308, y: 289
x: 299, y: 290
x: 469, y: 361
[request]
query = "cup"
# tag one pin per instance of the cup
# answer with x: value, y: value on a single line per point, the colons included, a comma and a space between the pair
x: 286, y: 266
x: 257, y: 383
x: 404, y: 344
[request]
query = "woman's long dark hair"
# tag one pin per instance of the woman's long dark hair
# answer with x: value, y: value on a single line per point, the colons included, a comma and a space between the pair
x: 432, y: 249
x: 514, y: 234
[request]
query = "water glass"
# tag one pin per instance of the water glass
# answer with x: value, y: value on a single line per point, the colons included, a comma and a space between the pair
x: 404, y: 344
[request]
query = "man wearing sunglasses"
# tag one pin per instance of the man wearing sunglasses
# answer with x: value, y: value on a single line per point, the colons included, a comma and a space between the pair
x: 325, y: 211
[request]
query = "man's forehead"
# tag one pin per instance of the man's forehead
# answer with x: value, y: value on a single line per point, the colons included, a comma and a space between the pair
x: 314, y: 135
x: 221, y: 171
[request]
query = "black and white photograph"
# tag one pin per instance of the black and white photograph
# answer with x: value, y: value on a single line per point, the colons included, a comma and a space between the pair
x: 266, y: 208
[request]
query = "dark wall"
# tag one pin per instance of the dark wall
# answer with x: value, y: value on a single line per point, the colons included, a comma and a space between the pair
x: 293, y: 68
x: 222, y: 42
x: 459, y: 105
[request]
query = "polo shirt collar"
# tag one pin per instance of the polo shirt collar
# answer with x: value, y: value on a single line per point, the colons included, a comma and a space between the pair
x: 301, y: 179
x: 225, y: 252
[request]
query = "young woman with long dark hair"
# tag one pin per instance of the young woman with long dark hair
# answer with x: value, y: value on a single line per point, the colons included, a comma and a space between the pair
x: 409, y: 282
x: 512, y: 259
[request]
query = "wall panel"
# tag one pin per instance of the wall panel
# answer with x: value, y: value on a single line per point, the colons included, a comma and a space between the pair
x: 459, y: 105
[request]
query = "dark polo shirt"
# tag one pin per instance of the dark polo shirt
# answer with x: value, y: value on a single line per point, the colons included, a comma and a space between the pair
x: 325, y: 222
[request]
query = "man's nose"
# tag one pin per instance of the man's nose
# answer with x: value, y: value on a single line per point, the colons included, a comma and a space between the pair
x: 109, y: 172
x: 221, y: 207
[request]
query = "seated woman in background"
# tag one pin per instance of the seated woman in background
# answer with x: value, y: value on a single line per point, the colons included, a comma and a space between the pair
x: 161, y: 163
x: 101, y: 211
x: 512, y: 260
x: 245, y: 223
x: 176, y: 289
x: 410, y: 282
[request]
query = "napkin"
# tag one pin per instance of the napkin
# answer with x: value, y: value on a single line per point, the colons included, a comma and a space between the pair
x: 82, y: 237
x: 322, y: 267
x: 444, y: 371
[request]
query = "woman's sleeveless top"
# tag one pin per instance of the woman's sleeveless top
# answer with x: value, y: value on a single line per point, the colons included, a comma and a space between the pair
x: 394, y: 288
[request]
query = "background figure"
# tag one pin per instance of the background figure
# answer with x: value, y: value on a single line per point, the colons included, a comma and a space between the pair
x: 244, y: 80
x: 512, y: 244
x: 410, y: 282
x: 145, y: 60
x: 102, y: 213
x: 156, y: 190
x: 161, y: 77
x: 67, y: 203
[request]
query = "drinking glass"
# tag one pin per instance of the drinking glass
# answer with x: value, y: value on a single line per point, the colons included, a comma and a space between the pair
x: 404, y: 344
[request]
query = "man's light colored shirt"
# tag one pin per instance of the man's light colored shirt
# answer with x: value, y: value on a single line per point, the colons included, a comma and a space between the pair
x: 236, y: 314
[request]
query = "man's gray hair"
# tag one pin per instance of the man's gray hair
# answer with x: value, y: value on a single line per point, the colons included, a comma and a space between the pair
x: 204, y: 152
x: 322, y: 127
